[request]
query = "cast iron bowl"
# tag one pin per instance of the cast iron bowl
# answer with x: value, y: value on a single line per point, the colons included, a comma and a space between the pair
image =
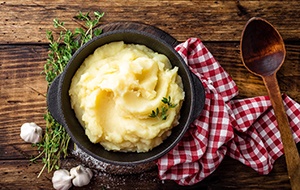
x: 59, y: 105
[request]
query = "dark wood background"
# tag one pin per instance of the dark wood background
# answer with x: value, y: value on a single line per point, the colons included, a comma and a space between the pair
x: 24, y: 48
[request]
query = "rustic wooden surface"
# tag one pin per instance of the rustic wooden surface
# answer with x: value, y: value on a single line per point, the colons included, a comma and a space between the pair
x: 23, y: 52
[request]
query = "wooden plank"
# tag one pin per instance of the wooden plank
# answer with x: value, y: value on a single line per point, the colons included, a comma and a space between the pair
x: 23, y: 88
x: 22, y: 96
x: 27, y: 21
x: 15, y: 175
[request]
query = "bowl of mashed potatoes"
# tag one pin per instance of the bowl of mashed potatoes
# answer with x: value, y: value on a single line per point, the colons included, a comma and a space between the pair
x: 126, y: 97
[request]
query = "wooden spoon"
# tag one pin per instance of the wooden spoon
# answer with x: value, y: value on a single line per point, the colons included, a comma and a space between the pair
x: 263, y: 53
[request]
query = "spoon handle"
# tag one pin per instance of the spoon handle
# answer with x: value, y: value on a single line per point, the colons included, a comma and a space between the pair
x: 289, y: 145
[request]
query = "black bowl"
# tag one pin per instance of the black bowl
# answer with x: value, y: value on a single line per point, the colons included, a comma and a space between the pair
x: 60, y: 107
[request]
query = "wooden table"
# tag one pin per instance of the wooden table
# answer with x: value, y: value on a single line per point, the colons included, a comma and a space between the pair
x: 24, y: 48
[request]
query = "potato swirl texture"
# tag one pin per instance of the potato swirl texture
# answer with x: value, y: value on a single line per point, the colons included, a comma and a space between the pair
x: 117, y: 87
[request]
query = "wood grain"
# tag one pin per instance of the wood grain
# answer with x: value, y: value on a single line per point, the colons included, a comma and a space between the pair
x: 15, y: 175
x: 23, y: 52
x: 26, y: 21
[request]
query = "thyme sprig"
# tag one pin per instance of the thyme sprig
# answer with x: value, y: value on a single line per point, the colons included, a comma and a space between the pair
x: 163, y: 111
x: 62, y: 48
x: 55, y: 141
x: 90, y: 24
x: 168, y: 102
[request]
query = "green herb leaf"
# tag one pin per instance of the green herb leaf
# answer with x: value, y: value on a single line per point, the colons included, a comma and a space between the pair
x: 164, y: 111
x: 54, y: 145
x: 163, y: 114
x: 97, y: 32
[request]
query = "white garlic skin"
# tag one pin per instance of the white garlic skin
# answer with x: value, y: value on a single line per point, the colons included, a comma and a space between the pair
x: 62, y: 180
x: 31, y: 132
x: 82, y: 176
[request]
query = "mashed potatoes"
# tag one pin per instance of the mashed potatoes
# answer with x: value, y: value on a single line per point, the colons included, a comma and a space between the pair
x: 117, y: 96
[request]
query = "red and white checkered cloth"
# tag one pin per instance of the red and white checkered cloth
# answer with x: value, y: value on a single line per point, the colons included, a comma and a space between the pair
x: 245, y: 129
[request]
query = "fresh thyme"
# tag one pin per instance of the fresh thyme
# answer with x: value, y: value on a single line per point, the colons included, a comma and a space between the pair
x: 62, y: 49
x: 168, y: 102
x: 55, y: 141
x: 163, y: 111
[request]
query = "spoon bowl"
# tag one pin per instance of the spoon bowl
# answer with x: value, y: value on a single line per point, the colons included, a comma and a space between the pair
x: 263, y: 53
x: 262, y: 48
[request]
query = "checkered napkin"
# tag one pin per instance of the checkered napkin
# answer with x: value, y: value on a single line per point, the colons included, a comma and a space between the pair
x: 244, y: 129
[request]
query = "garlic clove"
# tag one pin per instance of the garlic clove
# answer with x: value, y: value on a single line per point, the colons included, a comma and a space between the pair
x: 31, y: 132
x: 82, y: 176
x: 62, y: 180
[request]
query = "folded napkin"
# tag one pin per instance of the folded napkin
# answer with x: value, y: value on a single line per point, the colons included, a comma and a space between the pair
x: 245, y: 129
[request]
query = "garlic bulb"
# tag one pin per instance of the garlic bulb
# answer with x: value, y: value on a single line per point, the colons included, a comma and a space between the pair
x: 62, y: 179
x: 31, y: 132
x: 82, y: 176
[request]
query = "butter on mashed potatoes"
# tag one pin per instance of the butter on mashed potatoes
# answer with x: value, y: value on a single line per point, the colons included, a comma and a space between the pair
x: 116, y: 89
